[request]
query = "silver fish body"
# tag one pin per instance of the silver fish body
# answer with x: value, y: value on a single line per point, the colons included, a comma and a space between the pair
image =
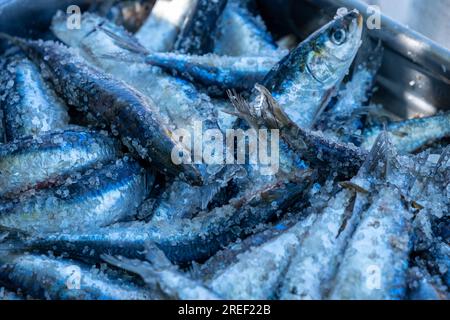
x: 177, y: 102
x: 375, y: 262
x: 256, y: 273
x: 220, y: 72
x: 31, y: 161
x: 410, y: 135
x: 239, y: 33
x: 97, y: 199
x: 307, y: 78
x: 196, y: 35
x: 160, y: 31
x: 31, y: 106
x: 57, y: 279
x: 172, y: 282
x: 181, y: 240
x: 317, y: 258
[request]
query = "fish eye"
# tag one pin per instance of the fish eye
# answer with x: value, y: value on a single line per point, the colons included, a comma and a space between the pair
x: 338, y: 36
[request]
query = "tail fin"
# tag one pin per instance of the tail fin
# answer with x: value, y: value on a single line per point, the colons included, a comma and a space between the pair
x: 124, y: 42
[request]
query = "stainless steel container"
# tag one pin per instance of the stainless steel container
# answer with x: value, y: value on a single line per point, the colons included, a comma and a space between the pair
x: 414, y: 79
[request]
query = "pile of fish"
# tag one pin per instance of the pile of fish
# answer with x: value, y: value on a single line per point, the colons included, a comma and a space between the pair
x: 92, y: 205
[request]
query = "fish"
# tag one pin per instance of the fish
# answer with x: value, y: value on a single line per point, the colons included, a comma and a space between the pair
x: 129, y: 114
x: 316, y: 149
x: 194, y: 199
x: 343, y: 118
x: 158, y: 271
x: 177, y: 101
x: 160, y: 31
x: 256, y: 273
x: 129, y: 14
x: 413, y: 134
x: 98, y: 198
x: 50, y: 278
x: 318, y: 254
x: 219, y: 72
x: 308, y: 77
x: 33, y: 162
x: 375, y: 263
x: 196, y: 34
x: 181, y: 240
x: 31, y: 106
x: 180, y: 105
x: 240, y: 34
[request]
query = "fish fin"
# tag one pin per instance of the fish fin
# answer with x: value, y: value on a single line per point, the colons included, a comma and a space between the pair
x: 243, y: 108
x: 124, y: 43
x: 142, y: 268
x: 347, y: 214
x: 325, y: 102
x: 121, y: 56
x: 156, y: 257
x: 377, y: 154
x: 207, y: 193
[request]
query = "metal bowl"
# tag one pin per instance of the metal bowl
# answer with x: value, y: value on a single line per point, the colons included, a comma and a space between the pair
x: 414, y: 78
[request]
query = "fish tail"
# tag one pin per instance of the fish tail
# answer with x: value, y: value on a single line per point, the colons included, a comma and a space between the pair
x: 124, y: 42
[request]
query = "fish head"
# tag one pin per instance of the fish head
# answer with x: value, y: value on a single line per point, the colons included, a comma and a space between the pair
x: 334, y: 47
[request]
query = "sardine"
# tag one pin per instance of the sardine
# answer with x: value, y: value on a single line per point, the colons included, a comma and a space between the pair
x: 413, y: 134
x: 159, y: 272
x: 127, y: 112
x: 196, y: 35
x: 343, y: 118
x: 375, y: 263
x: 97, y: 199
x: 35, y: 161
x: 257, y: 272
x: 219, y: 72
x: 316, y: 149
x: 239, y: 33
x: 317, y: 257
x: 30, y: 105
x: 182, y: 240
x: 160, y: 31
x: 50, y: 278
x: 305, y: 80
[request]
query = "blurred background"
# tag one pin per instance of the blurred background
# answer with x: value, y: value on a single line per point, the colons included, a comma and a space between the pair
x: 429, y: 17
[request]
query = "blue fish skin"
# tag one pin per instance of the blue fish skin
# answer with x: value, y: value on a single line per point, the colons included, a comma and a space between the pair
x: 307, y: 78
x: 96, y: 199
x: 43, y: 277
x: 222, y: 72
x: 182, y: 240
x: 160, y: 31
x: 196, y: 35
x: 130, y: 114
x: 410, y: 135
x: 52, y: 155
x: 31, y: 106
x: 239, y: 33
